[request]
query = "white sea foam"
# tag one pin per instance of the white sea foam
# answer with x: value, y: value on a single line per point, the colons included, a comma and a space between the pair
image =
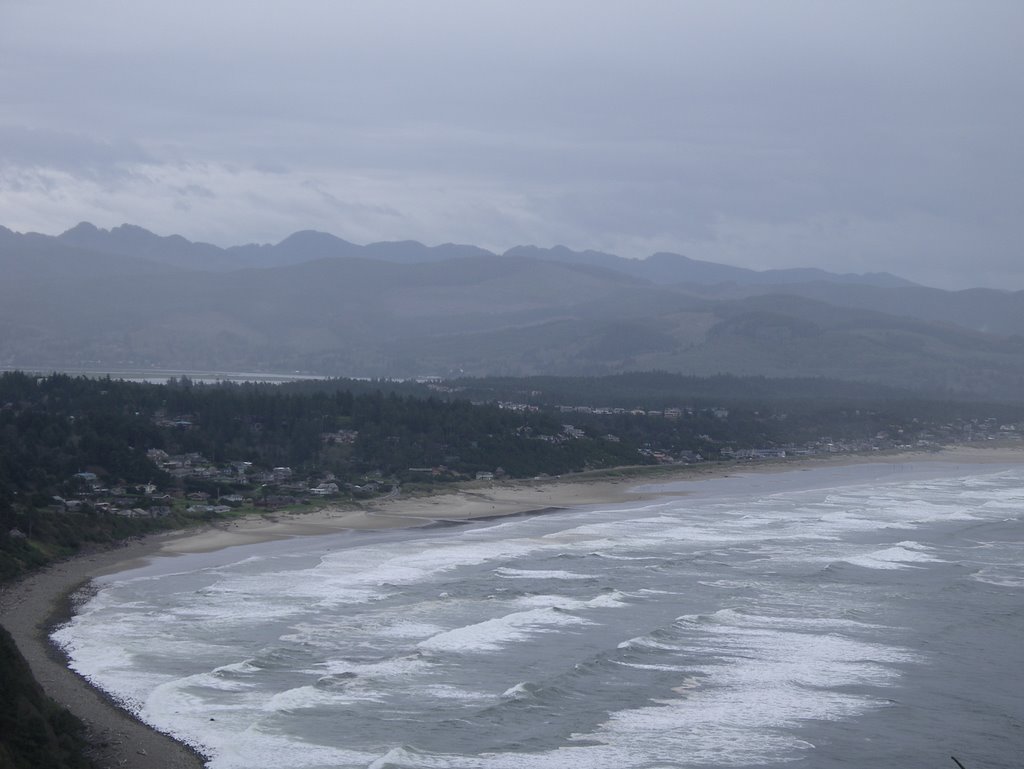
x: 185, y: 709
x: 613, y: 557
x: 245, y: 667
x: 522, y: 690
x: 312, y: 698
x: 647, y: 642
x: 761, y: 680
x: 493, y: 634
x: 727, y: 584
x: 742, y: 619
x: 608, y: 599
x: 1016, y: 504
x: 645, y: 666
x: 395, y: 668
x: 250, y: 747
x: 363, y: 574
x: 409, y: 629
x: 543, y: 601
x: 1001, y: 576
x: 448, y: 692
x: 902, y: 555
x: 508, y: 573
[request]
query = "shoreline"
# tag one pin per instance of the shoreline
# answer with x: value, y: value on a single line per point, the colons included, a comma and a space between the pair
x: 32, y: 606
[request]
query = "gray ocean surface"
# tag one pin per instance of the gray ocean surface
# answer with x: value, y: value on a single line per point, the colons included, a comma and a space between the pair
x: 861, y: 616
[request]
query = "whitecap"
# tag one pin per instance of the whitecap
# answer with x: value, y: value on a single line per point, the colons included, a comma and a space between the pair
x: 508, y: 573
x: 900, y: 556
x: 1000, y: 576
x: 493, y: 634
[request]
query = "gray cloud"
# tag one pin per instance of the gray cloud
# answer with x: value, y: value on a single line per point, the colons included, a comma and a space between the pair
x: 95, y: 157
x: 848, y: 135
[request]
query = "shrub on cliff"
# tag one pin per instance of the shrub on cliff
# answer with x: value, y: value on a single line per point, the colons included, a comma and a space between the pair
x: 35, y: 732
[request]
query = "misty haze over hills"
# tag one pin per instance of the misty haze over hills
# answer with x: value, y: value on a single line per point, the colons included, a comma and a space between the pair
x: 308, y: 245
x: 127, y: 298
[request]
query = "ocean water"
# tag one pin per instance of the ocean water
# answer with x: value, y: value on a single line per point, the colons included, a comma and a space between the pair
x: 866, y: 616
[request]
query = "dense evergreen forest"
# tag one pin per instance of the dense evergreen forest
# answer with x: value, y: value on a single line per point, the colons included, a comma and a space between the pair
x: 92, y: 460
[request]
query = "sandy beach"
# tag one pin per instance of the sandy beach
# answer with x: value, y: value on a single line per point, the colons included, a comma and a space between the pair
x: 30, y: 607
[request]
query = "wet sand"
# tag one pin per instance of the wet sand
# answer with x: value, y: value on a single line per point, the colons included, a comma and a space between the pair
x: 30, y: 607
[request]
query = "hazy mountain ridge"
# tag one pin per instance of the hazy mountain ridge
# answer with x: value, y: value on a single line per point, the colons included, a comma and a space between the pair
x: 127, y: 298
x: 980, y: 309
x: 667, y: 268
x: 309, y: 245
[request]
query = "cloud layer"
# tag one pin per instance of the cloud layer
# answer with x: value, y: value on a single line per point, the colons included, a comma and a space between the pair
x: 848, y: 135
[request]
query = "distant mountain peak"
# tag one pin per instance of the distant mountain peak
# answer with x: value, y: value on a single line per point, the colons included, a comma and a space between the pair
x: 82, y: 228
x: 311, y: 236
x: 87, y: 233
x: 307, y: 245
x: 132, y: 229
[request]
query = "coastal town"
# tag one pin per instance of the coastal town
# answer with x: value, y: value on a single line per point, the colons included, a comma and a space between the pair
x: 200, y: 487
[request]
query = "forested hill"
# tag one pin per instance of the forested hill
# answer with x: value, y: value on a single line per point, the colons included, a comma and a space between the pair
x: 90, y: 460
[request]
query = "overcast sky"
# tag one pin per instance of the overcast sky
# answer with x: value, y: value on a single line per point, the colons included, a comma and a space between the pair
x: 854, y: 136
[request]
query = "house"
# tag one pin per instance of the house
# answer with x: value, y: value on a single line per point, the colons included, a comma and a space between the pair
x: 134, y: 512
x: 324, y: 489
x: 240, y: 468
